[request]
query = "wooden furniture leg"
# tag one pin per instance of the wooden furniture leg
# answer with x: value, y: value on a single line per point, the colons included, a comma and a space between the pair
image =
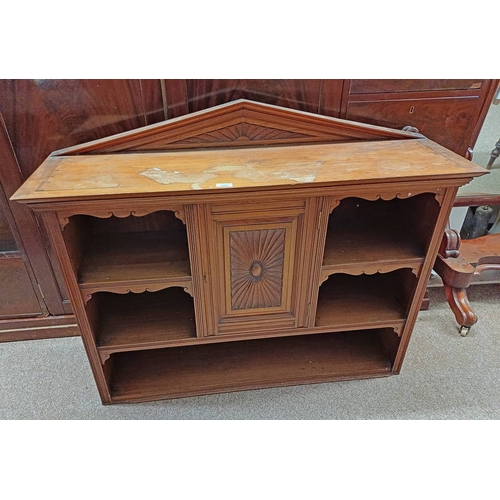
x: 494, y: 155
x: 458, y: 268
x: 456, y: 274
x: 461, y: 308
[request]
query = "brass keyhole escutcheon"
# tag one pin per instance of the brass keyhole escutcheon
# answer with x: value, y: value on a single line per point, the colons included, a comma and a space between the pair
x: 412, y: 109
x: 256, y: 269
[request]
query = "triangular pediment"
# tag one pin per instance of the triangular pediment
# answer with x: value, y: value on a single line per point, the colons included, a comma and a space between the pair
x: 238, y: 123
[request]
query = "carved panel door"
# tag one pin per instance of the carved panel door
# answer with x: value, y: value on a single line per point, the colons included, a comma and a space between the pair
x: 257, y: 266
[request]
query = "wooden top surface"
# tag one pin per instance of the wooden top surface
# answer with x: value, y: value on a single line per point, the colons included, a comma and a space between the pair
x: 117, y: 175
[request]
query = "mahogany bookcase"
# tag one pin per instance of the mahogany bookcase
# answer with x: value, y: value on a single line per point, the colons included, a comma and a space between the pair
x: 245, y: 246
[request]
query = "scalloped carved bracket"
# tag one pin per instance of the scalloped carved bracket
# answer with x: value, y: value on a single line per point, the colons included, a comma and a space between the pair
x: 64, y: 217
x: 398, y: 330
x: 334, y: 205
x: 101, y: 214
x: 88, y: 293
x: 389, y: 195
x: 181, y: 215
x: 104, y: 356
x: 439, y: 196
x: 368, y: 269
x: 63, y: 221
x: 324, y: 276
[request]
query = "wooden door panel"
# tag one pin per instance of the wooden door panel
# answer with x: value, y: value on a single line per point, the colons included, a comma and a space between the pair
x: 296, y: 94
x: 255, y: 270
x: 45, y: 115
x: 26, y: 231
x: 447, y: 121
x: 17, y: 297
x: 7, y: 241
x: 313, y: 95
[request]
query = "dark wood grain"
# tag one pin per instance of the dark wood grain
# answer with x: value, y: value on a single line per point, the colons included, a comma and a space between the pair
x: 38, y: 327
x: 45, y: 115
x: 7, y: 241
x: 447, y: 121
x: 26, y: 232
x: 240, y: 123
x: 18, y: 298
x: 475, y: 200
x: 388, y: 85
x: 296, y: 94
x: 317, y: 96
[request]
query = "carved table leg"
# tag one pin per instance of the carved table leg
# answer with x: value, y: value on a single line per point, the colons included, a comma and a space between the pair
x: 456, y: 274
x: 494, y: 155
x: 461, y: 308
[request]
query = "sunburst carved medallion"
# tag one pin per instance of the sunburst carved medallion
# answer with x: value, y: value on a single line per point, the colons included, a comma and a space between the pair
x: 242, y: 132
x: 256, y: 267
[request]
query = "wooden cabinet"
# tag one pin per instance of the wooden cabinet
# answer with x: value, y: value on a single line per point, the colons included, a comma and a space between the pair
x: 222, y: 267
x: 451, y: 117
x: 446, y: 111
x: 19, y: 297
x: 37, y: 117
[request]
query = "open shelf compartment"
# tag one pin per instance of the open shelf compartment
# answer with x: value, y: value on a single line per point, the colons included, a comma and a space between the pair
x: 141, y: 320
x: 379, y: 299
x: 384, y: 232
x: 108, y: 251
x: 242, y: 365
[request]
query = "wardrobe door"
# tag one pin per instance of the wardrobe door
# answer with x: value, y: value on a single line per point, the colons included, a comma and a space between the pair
x: 41, y: 116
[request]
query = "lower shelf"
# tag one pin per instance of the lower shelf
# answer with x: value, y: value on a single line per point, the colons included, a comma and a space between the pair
x: 137, y: 320
x: 375, y: 299
x: 251, y: 364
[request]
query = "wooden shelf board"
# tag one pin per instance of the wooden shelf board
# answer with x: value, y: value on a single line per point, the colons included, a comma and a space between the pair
x: 133, y: 320
x: 368, y: 302
x: 353, y: 247
x: 135, y: 256
x: 251, y: 364
x: 238, y: 337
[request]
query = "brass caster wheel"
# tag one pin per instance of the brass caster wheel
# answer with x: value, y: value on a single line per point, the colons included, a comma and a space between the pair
x: 464, y: 330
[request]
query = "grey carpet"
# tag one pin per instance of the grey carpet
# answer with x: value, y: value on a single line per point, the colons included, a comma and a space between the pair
x: 444, y: 376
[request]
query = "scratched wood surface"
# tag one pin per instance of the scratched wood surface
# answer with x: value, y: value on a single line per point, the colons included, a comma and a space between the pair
x: 169, y: 172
